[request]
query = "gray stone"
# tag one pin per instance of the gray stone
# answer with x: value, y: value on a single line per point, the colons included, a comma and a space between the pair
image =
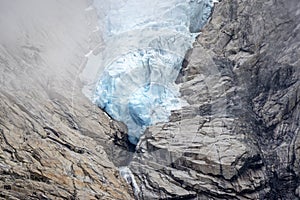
x: 53, y: 139
x: 238, y: 137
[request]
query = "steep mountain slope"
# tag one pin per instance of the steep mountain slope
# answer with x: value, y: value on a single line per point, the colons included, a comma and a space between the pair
x: 52, y: 138
x: 239, y: 137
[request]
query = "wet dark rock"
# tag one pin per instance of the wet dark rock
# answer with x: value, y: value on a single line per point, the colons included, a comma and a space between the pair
x: 239, y: 136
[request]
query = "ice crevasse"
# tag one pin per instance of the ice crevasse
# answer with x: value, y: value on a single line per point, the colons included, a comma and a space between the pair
x: 145, y: 43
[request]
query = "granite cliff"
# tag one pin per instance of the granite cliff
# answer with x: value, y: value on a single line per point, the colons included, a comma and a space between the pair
x: 52, y: 137
x: 238, y: 137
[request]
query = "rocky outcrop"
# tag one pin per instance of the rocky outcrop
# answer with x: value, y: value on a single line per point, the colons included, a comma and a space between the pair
x: 239, y: 136
x: 53, y: 140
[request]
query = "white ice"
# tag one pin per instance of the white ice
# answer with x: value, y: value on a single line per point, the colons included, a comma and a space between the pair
x: 145, y: 42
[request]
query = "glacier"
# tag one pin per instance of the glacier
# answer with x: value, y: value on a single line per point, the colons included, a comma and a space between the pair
x: 145, y: 43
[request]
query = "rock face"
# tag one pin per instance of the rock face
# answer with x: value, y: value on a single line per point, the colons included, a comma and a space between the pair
x: 239, y: 136
x: 52, y: 138
x: 237, y: 139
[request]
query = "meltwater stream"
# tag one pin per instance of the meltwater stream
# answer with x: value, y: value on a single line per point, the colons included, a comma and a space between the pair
x: 145, y: 42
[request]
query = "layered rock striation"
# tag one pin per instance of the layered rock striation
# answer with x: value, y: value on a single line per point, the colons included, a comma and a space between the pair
x: 239, y: 136
x: 52, y: 138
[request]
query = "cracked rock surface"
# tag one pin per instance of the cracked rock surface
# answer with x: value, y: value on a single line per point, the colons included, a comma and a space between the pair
x: 53, y: 140
x: 239, y: 136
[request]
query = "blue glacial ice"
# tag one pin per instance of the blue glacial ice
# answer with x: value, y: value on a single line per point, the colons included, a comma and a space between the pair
x: 145, y: 42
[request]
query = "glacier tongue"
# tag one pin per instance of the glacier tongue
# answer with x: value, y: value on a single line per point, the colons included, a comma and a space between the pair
x: 145, y: 42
